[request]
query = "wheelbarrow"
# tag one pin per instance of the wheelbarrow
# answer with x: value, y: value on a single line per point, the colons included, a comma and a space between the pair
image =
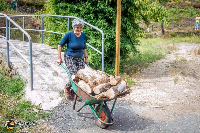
x: 101, y: 111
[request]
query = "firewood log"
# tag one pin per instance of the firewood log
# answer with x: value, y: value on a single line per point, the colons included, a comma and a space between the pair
x: 122, y: 86
x: 92, y: 77
x: 100, y: 80
x: 75, y: 78
x: 113, y: 81
x: 101, y: 88
x: 112, y: 92
x: 95, y: 77
x: 101, y: 95
x: 87, y: 74
x: 116, y: 90
x: 92, y: 84
x: 83, y: 85
x: 101, y: 73
x: 118, y: 78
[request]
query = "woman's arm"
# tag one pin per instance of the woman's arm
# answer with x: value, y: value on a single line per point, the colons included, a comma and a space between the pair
x: 59, y: 54
x: 85, y: 55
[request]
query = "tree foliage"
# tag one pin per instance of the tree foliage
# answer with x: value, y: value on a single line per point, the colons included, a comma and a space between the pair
x: 102, y: 14
x: 3, y: 5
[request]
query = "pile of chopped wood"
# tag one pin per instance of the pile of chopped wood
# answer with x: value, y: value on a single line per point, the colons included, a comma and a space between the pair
x: 98, y: 83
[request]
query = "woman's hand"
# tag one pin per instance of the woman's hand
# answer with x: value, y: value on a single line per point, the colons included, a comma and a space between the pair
x: 85, y: 56
x: 59, y: 61
x: 86, y: 60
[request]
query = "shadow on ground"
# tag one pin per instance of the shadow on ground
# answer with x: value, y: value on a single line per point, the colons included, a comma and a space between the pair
x: 65, y: 119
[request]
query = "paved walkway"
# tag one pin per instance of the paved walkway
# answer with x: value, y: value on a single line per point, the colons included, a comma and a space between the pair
x: 48, y: 77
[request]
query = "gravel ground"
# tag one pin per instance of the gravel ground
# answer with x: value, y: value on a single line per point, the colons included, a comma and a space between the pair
x: 65, y: 119
x: 126, y: 118
x: 165, y: 99
x: 171, y: 84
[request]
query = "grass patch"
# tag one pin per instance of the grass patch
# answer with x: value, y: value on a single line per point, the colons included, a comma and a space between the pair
x: 189, y: 39
x: 130, y: 82
x: 151, y: 50
x: 12, y: 105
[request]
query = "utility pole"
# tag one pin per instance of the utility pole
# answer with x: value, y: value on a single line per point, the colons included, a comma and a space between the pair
x: 118, y: 29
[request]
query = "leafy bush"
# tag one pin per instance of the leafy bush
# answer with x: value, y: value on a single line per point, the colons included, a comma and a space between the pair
x: 102, y: 14
x: 3, y: 5
x: 172, y: 34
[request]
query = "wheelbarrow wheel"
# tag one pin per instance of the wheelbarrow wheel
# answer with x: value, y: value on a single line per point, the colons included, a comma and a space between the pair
x: 105, y: 116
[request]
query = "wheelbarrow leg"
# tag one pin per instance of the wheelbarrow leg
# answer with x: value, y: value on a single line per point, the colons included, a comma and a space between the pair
x: 75, y: 105
x: 113, y: 105
x: 74, y: 102
x: 100, y: 108
x: 81, y: 107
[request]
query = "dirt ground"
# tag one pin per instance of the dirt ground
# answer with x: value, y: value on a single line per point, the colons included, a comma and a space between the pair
x: 170, y: 86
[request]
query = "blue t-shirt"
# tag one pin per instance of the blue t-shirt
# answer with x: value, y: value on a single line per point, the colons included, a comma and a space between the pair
x: 75, y: 45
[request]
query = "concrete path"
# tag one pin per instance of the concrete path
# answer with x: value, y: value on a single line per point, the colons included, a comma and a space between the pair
x: 48, y: 77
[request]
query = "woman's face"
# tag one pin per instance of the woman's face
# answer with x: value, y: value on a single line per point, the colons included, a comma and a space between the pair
x: 78, y: 29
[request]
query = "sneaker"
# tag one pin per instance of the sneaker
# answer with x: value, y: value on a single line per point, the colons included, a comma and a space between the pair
x: 67, y: 93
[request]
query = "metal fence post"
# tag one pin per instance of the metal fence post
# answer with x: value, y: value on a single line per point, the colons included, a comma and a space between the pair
x: 9, y: 29
x: 68, y: 25
x: 23, y: 29
x: 7, y: 38
x: 31, y: 62
x: 102, y: 53
x: 42, y: 29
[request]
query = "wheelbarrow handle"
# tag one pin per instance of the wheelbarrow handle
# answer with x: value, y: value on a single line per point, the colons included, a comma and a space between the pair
x: 66, y: 70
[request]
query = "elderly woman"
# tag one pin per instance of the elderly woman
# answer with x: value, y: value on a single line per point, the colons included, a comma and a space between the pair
x: 76, y: 48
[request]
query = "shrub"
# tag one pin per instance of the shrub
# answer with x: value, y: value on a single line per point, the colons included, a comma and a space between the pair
x: 3, y: 5
x: 172, y: 34
x: 102, y: 14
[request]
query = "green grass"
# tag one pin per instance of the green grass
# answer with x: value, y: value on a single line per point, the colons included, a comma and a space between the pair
x: 189, y: 39
x: 129, y: 81
x: 183, y: 12
x: 151, y: 50
x: 12, y: 104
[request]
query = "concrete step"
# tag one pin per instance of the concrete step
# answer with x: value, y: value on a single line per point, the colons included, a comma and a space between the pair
x: 49, y: 78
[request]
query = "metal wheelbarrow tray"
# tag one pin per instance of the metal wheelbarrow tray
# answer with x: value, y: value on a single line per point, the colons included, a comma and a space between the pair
x: 101, y: 111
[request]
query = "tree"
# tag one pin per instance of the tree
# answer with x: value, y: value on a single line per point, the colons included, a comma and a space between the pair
x: 102, y: 13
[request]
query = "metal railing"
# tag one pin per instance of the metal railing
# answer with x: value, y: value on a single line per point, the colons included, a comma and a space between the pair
x: 68, y: 25
x: 8, y: 20
x: 8, y: 35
